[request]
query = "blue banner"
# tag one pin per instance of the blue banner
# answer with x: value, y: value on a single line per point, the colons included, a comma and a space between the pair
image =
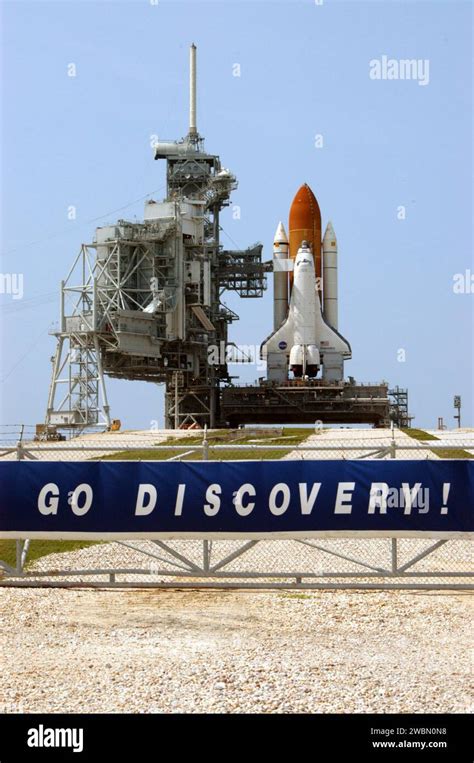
x: 237, y: 499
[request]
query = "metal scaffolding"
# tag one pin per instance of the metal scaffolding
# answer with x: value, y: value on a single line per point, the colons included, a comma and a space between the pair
x: 143, y: 301
x: 399, y: 413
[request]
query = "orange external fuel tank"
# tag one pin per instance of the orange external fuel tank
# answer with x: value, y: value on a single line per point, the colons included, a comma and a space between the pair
x: 305, y: 225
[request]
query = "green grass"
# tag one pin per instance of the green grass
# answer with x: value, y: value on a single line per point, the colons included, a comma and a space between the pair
x: 452, y: 453
x: 291, y: 436
x: 419, y: 434
x: 296, y: 596
x: 422, y: 436
x: 39, y: 548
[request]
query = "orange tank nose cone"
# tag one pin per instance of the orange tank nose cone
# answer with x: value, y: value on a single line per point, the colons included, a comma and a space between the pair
x: 305, y: 225
x: 304, y: 210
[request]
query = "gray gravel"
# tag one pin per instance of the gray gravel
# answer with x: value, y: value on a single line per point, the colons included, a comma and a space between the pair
x: 243, y: 651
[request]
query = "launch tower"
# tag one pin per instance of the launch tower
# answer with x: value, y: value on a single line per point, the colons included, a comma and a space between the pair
x: 143, y: 301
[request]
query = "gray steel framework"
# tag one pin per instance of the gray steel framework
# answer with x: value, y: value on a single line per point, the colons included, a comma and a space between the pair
x: 307, y: 402
x: 106, y: 326
x: 399, y: 412
x: 213, y: 571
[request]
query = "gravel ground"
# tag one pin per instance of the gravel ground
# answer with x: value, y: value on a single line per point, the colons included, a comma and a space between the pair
x: 465, y: 435
x: 243, y: 651
x: 349, y: 439
x: 142, y: 438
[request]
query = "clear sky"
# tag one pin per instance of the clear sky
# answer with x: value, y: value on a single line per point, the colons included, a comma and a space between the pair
x: 84, y: 141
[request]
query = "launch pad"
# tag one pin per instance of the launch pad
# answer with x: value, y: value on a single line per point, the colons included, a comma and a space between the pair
x: 144, y: 301
x: 310, y: 401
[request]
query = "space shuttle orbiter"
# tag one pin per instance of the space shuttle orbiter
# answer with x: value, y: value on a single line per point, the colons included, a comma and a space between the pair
x: 305, y: 337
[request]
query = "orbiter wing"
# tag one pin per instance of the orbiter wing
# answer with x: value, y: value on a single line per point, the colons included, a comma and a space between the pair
x: 279, y: 340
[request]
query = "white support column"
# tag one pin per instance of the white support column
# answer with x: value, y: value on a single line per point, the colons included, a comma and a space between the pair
x: 192, y: 90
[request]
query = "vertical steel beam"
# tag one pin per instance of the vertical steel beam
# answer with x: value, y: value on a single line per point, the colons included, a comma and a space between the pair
x: 19, y: 556
x: 394, y: 556
x: 206, y: 555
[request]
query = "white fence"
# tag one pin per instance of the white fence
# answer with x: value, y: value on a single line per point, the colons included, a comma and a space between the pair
x: 345, y: 562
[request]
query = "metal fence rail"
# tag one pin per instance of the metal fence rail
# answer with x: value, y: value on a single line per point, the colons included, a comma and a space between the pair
x: 390, y: 450
x: 341, y: 563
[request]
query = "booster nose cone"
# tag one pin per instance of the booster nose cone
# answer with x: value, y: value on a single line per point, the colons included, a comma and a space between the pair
x: 329, y: 235
x: 280, y: 234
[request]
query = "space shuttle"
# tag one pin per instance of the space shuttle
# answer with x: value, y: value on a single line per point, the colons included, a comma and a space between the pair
x: 305, y: 340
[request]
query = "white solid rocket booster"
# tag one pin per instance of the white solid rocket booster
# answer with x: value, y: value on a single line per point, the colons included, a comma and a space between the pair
x: 280, y: 276
x: 330, y: 276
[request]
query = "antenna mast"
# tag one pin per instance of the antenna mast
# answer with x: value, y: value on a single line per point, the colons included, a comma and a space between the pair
x: 193, y: 133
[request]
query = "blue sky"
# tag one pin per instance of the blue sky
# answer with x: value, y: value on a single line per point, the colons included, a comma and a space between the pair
x: 85, y: 141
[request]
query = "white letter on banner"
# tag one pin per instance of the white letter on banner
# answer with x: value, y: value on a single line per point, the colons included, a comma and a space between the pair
x: 178, y: 509
x: 212, y: 495
x: 52, y: 506
x: 79, y: 511
x: 246, y: 489
x: 344, y: 490
x: 282, y: 487
x: 145, y: 491
x: 307, y: 503
x: 378, y: 497
x: 410, y: 495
